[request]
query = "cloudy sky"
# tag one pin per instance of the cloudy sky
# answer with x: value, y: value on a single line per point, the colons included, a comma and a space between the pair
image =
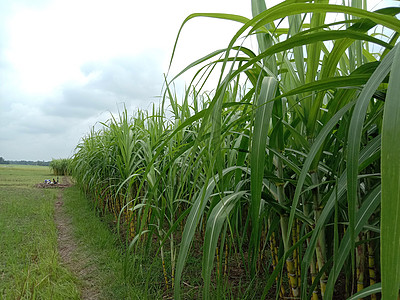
x: 66, y: 64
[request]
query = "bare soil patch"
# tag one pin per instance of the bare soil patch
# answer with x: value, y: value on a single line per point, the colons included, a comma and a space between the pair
x: 66, y: 181
x: 52, y: 186
x: 73, y: 255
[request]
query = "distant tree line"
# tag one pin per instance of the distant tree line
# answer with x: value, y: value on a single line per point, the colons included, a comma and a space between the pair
x: 24, y: 162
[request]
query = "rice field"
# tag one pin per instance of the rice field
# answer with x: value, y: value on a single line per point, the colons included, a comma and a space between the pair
x: 283, y: 180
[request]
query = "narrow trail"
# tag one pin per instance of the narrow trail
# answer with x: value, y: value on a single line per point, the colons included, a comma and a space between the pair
x: 72, y: 254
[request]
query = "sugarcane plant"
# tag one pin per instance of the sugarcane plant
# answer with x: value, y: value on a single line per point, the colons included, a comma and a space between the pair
x: 61, y: 166
x: 326, y: 100
x: 287, y: 170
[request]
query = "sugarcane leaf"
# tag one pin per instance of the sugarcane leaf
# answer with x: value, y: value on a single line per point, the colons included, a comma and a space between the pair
x: 310, y: 158
x: 361, y: 25
x: 354, y: 139
x: 243, y: 148
x: 372, y: 289
x: 329, y: 83
x: 214, y: 225
x: 189, y: 230
x: 261, y: 124
x: 390, y: 208
x: 278, y: 12
x: 231, y: 17
x: 300, y: 40
x: 192, y: 221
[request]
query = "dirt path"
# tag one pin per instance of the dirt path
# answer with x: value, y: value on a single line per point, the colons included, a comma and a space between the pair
x: 73, y: 255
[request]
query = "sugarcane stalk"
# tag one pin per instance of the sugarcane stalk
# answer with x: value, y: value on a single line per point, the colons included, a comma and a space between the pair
x: 371, y: 263
x: 163, y: 265
x: 313, y: 264
x: 274, y: 252
x: 128, y: 221
x: 292, y: 273
x: 360, y: 263
x: 132, y: 224
x: 216, y: 250
x: 313, y: 269
x: 320, y: 247
x: 298, y: 256
x: 173, y: 255
x: 226, y: 259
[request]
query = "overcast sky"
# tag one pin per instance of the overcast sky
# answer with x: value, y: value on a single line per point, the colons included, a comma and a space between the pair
x: 66, y: 64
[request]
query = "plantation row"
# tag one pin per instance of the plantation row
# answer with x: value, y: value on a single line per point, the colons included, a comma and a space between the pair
x: 286, y: 174
x: 61, y: 167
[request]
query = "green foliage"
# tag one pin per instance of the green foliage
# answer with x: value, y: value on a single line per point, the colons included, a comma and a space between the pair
x: 390, y: 222
x: 61, y: 167
x: 285, y: 154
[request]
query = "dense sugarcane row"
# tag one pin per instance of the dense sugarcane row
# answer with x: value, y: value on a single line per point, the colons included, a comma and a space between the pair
x: 143, y: 204
x: 61, y: 167
x: 275, y: 176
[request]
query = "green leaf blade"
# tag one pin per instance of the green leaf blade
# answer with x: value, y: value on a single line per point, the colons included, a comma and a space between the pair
x: 390, y: 207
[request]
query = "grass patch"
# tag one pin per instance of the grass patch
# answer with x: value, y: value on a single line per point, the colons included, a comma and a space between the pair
x: 30, y: 266
x: 103, y: 249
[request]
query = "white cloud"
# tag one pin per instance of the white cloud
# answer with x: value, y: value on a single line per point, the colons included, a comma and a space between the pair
x: 66, y: 64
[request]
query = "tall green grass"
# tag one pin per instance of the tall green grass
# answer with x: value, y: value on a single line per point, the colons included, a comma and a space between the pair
x: 287, y: 170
